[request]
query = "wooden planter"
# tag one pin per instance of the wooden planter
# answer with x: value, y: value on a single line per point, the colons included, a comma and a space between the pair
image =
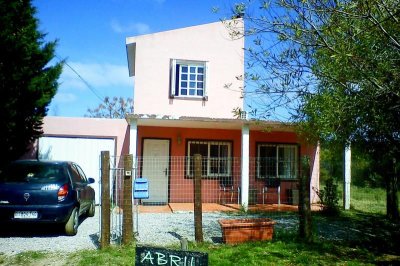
x: 243, y: 230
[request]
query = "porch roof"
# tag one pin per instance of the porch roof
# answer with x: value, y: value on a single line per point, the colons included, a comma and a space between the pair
x: 208, y: 122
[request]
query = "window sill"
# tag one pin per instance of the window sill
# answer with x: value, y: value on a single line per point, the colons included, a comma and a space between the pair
x: 204, y: 98
x: 204, y: 177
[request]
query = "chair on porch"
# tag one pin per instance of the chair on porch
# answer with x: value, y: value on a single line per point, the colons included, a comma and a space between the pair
x: 225, y: 188
x: 272, y: 185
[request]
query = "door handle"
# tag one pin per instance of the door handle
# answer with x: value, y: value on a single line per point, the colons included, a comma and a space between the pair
x: 166, y: 171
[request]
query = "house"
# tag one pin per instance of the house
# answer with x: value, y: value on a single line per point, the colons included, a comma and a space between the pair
x: 187, y: 82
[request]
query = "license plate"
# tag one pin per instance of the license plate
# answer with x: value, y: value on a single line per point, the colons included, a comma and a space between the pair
x: 26, y: 215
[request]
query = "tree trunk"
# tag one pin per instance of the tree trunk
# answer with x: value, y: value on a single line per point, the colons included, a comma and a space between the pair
x: 305, y: 221
x: 392, y: 201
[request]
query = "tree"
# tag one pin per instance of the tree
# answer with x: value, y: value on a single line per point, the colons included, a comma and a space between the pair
x: 27, y: 80
x: 333, y: 67
x: 112, y: 108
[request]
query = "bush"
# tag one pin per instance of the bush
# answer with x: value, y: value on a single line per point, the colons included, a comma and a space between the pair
x: 329, y: 197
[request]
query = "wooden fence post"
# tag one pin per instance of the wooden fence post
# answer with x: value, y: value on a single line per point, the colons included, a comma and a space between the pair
x: 198, y: 211
x: 127, y: 227
x: 105, y: 200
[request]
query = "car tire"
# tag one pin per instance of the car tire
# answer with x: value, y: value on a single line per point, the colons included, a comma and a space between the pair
x: 71, y: 227
x: 92, y: 210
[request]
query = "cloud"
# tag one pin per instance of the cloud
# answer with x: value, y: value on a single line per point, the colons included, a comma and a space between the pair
x: 94, y: 75
x: 138, y: 27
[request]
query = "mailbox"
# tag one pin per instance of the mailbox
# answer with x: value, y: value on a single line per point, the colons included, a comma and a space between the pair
x: 141, y: 188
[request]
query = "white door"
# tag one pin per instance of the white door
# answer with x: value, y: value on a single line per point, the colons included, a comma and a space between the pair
x: 155, y: 168
x: 83, y: 151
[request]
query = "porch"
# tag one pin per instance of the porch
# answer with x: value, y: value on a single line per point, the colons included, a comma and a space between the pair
x: 171, y: 183
x: 215, y: 207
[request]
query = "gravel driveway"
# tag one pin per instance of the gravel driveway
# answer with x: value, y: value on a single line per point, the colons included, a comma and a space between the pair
x: 49, y: 238
x: 159, y: 229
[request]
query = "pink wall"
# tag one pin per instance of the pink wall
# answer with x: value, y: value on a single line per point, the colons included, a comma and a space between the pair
x: 89, y: 127
x: 210, y: 43
x: 181, y: 189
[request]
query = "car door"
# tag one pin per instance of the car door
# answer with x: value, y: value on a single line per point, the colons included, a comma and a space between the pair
x: 79, y: 187
x: 87, y: 191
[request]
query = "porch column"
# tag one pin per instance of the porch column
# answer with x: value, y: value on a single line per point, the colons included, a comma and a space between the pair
x: 244, y: 188
x: 347, y: 177
x: 133, y: 138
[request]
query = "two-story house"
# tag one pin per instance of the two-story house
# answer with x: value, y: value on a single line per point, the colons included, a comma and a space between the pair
x: 187, y: 82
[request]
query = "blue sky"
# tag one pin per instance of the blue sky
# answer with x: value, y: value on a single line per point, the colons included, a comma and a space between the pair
x: 91, y: 37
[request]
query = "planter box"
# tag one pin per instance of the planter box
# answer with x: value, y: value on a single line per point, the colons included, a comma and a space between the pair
x: 243, y: 230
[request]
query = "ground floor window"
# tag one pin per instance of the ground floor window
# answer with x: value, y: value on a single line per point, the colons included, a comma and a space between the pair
x: 277, y: 161
x: 216, y: 157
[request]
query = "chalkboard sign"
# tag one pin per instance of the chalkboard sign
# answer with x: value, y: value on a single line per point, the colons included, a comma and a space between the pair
x: 162, y: 256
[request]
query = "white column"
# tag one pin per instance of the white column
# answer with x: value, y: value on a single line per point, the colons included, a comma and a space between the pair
x: 347, y: 177
x: 244, y: 189
x: 133, y: 139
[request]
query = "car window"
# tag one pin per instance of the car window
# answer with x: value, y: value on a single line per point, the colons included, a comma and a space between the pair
x: 82, y: 174
x: 34, y: 172
x: 76, y: 178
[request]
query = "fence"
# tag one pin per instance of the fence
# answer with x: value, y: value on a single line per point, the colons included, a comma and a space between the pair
x: 273, y: 185
x: 171, y: 180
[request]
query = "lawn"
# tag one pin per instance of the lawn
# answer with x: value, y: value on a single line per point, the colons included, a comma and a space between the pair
x: 364, y: 237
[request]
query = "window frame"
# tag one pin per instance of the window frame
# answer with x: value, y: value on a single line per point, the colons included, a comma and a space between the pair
x: 294, y: 169
x: 209, y: 175
x: 175, y: 79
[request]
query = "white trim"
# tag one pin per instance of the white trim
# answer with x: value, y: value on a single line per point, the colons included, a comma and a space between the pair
x: 176, y: 93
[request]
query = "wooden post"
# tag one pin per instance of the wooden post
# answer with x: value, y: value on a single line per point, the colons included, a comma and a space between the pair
x: 127, y: 226
x: 305, y: 223
x: 198, y: 211
x: 105, y: 200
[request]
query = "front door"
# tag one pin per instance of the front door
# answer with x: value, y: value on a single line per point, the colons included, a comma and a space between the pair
x: 156, y: 169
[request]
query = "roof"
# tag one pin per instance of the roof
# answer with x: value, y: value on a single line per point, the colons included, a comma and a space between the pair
x: 208, y: 122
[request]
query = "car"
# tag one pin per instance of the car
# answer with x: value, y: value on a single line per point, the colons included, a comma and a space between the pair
x: 44, y: 191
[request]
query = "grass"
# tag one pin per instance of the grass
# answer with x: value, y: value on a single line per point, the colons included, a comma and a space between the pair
x: 376, y: 243
x: 369, y: 200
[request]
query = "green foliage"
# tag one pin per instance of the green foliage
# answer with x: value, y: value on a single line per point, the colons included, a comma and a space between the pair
x: 329, y: 197
x: 362, y: 170
x: 333, y: 67
x: 27, y: 81
x: 112, y: 108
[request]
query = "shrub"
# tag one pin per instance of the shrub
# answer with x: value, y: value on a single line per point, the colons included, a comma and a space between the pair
x: 329, y: 197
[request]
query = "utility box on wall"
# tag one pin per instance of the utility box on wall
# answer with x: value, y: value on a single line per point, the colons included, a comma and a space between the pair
x: 141, y: 188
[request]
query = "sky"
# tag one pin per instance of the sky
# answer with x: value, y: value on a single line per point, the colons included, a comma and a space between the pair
x: 91, y: 38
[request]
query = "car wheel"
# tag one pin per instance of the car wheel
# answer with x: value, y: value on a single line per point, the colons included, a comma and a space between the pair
x: 71, y: 227
x: 92, y: 209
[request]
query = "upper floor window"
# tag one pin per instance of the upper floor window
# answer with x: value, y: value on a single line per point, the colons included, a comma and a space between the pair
x: 277, y: 161
x: 216, y: 157
x: 188, y: 78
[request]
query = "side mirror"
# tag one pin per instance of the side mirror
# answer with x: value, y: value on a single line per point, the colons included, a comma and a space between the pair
x: 91, y: 180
